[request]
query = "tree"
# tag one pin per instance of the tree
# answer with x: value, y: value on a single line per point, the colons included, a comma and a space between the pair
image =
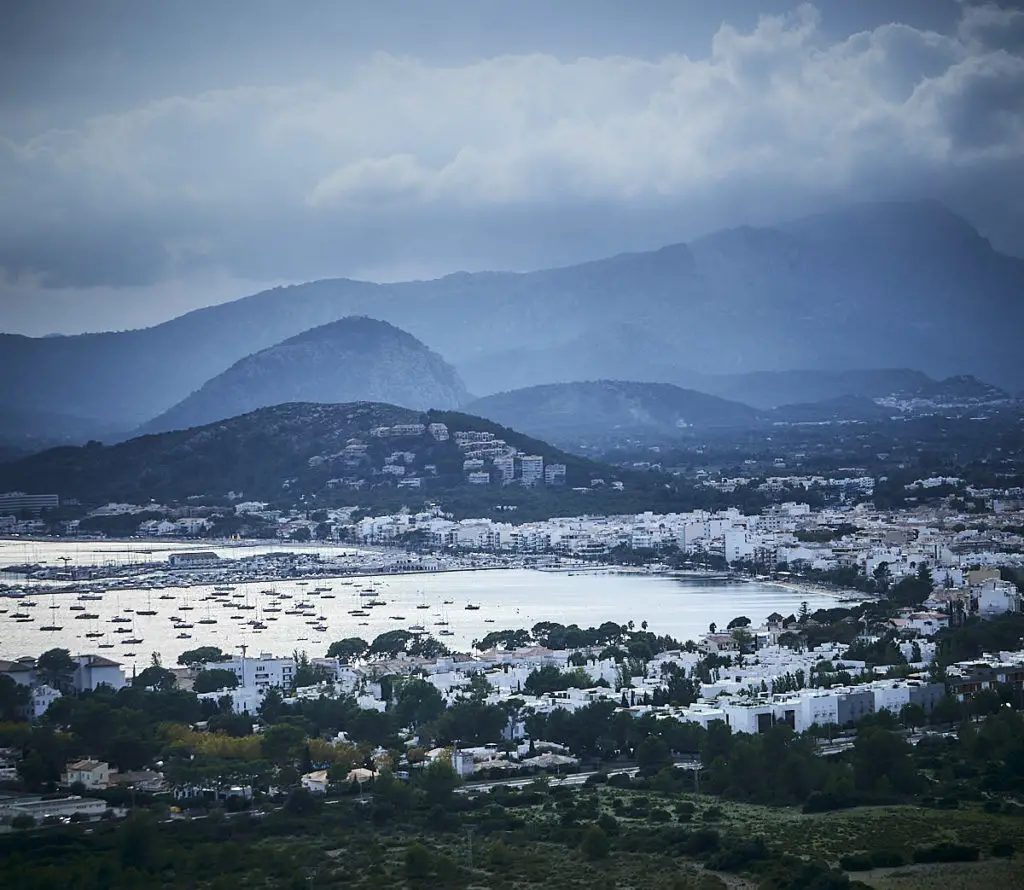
x: 418, y: 861
x: 281, y: 742
x: 595, y: 844
x: 803, y: 613
x: 439, y: 782
x: 391, y: 643
x: 14, y: 698
x: 272, y: 706
x: 214, y: 680
x: 652, y: 754
x: 418, y: 702
x: 201, y: 655
x: 348, y: 648
x: 156, y: 677
x: 56, y: 668
x: 307, y: 673
x: 741, y: 621
x: 301, y: 534
x: 912, y: 715
x: 712, y: 627
x: 882, y: 576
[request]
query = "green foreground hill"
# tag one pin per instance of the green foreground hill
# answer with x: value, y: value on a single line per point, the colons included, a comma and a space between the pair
x: 289, y: 453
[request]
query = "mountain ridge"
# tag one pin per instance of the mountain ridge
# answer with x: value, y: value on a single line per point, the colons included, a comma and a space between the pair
x: 872, y: 286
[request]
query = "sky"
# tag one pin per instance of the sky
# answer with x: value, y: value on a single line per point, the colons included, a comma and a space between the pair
x: 157, y: 157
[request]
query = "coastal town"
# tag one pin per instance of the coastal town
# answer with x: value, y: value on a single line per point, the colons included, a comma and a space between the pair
x: 908, y: 580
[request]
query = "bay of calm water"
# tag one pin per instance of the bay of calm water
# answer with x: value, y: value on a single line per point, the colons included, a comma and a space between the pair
x: 513, y: 598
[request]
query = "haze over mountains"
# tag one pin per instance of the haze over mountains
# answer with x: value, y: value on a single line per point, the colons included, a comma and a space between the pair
x: 607, y: 407
x: 351, y: 360
x: 893, y: 285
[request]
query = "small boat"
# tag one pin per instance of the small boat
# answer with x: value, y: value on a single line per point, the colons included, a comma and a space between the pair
x: 76, y: 608
x: 488, y: 621
x: 207, y: 621
x: 417, y: 628
x: 106, y: 646
x: 166, y: 596
x: 359, y: 614
x: 51, y: 627
x: 446, y: 633
x: 184, y: 636
x: 471, y: 608
x: 86, y: 616
x: 123, y: 630
x: 133, y: 642
x: 20, y: 615
x: 224, y: 589
x: 447, y: 602
x: 120, y: 619
x: 398, y: 618
x: 93, y: 635
x: 85, y: 597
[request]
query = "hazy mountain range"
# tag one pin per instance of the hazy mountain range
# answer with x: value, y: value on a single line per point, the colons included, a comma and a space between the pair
x: 351, y: 360
x: 609, y: 407
x: 877, y: 286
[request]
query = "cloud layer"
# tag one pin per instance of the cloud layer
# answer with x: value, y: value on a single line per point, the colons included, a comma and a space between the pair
x: 400, y: 165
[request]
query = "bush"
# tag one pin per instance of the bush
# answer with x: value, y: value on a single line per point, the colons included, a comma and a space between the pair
x: 856, y: 862
x: 704, y: 840
x: 887, y: 858
x: 738, y: 855
x: 826, y: 801
x: 1002, y: 849
x: 595, y: 844
x: 863, y: 861
x: 417, y: 861
x: 947, y: 852
x: 23, y: 821
x: 712, y: 814
x: 660, y: 815
x: 609, y: 824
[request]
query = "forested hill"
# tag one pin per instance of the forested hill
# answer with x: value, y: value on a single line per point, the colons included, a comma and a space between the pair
x: 279, y: 454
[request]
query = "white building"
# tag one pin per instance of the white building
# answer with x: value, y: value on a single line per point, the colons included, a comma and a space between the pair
x: 93, y: 774
x: 40, y: 700
x: 506, y: 465
x: 531, y: 469
x: 92, y: 671
x: 261, y: 673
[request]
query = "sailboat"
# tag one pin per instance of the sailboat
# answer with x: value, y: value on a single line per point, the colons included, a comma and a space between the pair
x: 209, y: 619
x: 132, y: 640
x: 52, y: 626
x: 149, y: 610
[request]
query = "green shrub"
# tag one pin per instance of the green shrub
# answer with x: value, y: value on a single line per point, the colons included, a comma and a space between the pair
x: 595, y: 844
x: 856, y: 862
x: 947, y: 852
x: 1002, y: 849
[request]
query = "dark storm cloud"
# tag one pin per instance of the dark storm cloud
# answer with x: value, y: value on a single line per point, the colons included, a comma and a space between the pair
x: 421, y: 138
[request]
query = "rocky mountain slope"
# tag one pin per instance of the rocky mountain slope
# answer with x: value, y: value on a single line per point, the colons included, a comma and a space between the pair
x: 876, y: 286
x: 351, y: 360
